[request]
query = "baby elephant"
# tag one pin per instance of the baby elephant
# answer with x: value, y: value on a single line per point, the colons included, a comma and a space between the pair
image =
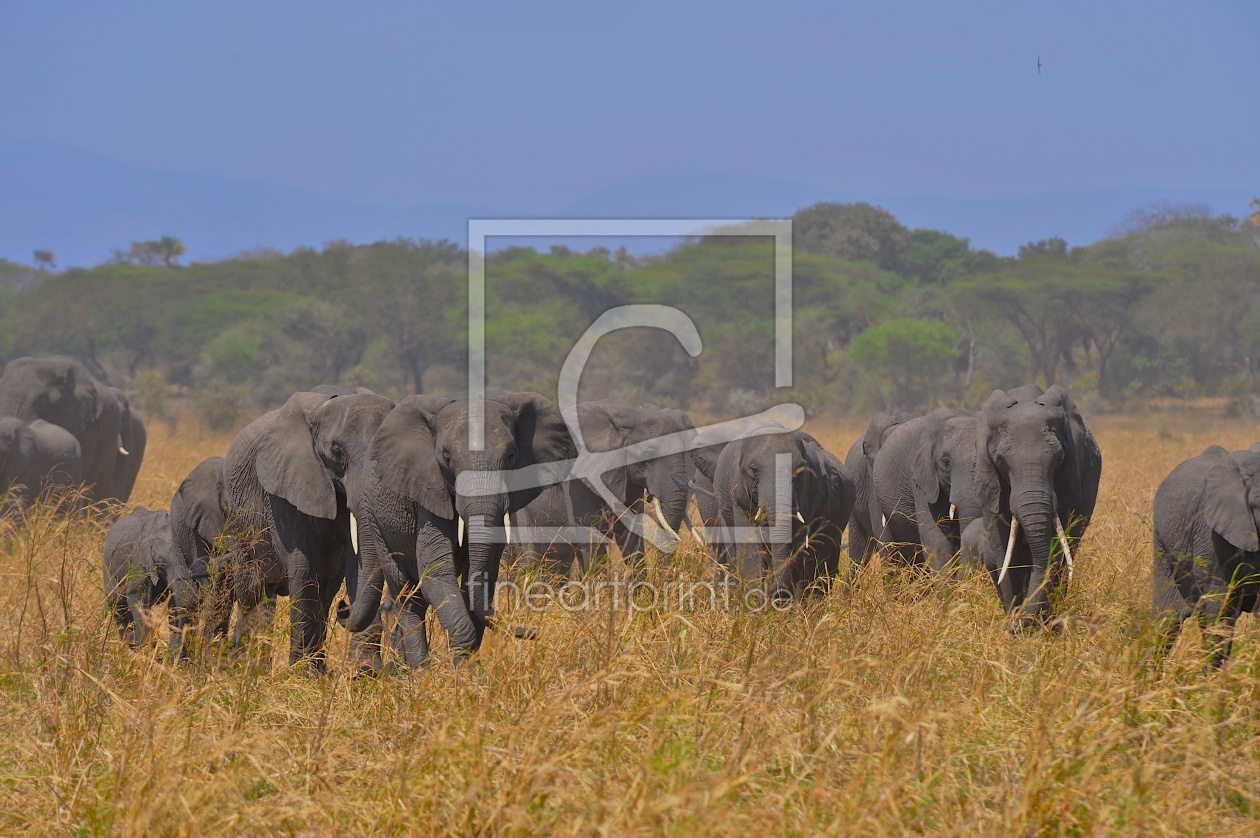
x: 34, y: 455
x: 141, y: 570
x: 1207, y: 544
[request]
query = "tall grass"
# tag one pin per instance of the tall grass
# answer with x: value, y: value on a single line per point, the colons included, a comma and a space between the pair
x: 889, y: 706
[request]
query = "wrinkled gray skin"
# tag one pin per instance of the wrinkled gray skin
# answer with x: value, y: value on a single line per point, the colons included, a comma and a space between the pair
x: 820, y: 491
x: 567, y: 504
x: 1207, y: 545
x: 198, y: 526
x: 135, y: 439
x: 294, y: 476
x: 865, y: 524
x: 1035, y: 459
x: 409, y: 523
x: 63, y: 392
x: 706, y: 452
x: 36, y: 455
x: 923, y: 467
x: 141, y: 569
x: 612, y: 426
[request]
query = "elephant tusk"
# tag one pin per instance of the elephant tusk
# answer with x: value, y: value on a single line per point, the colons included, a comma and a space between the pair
x: 799, y: 516
x: 1067, y: 551
x: 883, y: 521
x: 507, y: 528
x: 660, y: 518
x: 1010, y: 549
x: 953, y: 511
x: 124, y: 451
x: 354, y: 533
x: 459, y: 537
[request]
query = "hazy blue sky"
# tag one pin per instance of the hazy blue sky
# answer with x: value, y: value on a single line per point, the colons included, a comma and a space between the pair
x: 534, y: 105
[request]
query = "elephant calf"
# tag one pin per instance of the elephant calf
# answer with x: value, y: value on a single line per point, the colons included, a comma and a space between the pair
x: 34, y: 455
x: 141, y: 570
x: 1207, y: 544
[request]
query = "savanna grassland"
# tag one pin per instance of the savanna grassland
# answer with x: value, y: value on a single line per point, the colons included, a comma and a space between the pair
x: 889, y: 706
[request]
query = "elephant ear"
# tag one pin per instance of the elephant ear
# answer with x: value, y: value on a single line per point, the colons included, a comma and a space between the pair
x: 542, y: 436
x: 1081, y: 450
x: 286, y: 462
x: 926, y: 479
x: 404, y: 454
x: 988, y: 482
x: 606, y: 427
x: 1225, y: 507
x: 706, y: 450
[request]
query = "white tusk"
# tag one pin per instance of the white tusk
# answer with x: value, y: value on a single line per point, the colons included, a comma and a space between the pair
x: 354, y: 533
x: 883, y: 521
x: 953, y: 512
x: 660, y: 518
x: 507, y: 528
x: 1010, y: 549
x: 800, y: 517
x: 124, y: 451
x: 806, y: 539
x: 1067, y: 551
x: 459, y: 537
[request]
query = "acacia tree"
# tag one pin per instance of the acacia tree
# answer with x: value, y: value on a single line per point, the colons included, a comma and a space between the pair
x: 45, y: 260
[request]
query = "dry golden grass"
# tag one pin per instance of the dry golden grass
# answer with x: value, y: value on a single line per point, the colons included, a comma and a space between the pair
x: 888, y: 707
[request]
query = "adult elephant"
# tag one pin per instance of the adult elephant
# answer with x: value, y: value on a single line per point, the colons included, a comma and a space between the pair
x: 1207, y: 545
x: 796, y: 494
x: 657, y: 440
x: 431, y: 528
x: 923, y: 483
x: 1036, y: 476
x: 294, y: 477
x: 63, y: 392
x: 867, y: 522
x: 134, y: 438
x: 33, y: 456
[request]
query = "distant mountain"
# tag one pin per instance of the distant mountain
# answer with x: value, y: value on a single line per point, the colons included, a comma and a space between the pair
x: 81, y: 206
x: 997, y: 224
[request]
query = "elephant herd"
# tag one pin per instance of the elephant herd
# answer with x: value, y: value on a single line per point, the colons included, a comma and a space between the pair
x: 416, y: 504
x: 60, y: 428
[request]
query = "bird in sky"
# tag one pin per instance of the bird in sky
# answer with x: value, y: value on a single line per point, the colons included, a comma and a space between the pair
x: 1038, y: 65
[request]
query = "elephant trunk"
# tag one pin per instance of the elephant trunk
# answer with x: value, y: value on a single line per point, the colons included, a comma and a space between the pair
x: 781, y: 525
x: 670, y: 503
x: 364, y: 584
x: 1036, y: 511
x: 484, y: 554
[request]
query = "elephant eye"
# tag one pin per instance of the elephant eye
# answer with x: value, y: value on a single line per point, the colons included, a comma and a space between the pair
x: 945, y: 462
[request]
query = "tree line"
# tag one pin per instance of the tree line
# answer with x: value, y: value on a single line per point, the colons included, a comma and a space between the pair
x: 885, y: 317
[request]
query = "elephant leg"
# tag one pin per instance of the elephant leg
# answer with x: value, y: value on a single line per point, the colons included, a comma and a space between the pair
x: 137, y: 633
x: 1217, y: 615
x: 411, y: 631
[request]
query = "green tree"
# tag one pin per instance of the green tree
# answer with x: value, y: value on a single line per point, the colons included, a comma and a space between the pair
x: 170, y: 249
x: 856, y: 232
x: 45, y: 260
x: 910, y: 359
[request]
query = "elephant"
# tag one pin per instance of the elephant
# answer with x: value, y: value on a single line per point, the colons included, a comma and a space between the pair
x: 63, y: 392
x: 429, y: 530
x: 142, y: 569
x: 866, y: 522
x: 643, y: 487
x: 808, y: 519
x: 1207, y: 545
x: 199, y: 516
x: 293, y: 479
x: 922, y: 476
x: 134, y: 437
x: 1037, y: 469
x: 568, y: 504
x: 34, y: 455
